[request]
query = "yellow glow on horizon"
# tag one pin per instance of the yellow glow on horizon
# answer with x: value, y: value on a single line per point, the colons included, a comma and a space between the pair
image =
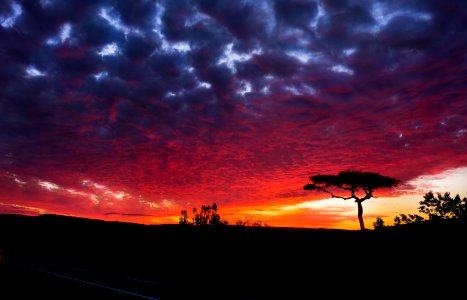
x: 332, y: 213
x: 385, y: 207
x: 330, y: 205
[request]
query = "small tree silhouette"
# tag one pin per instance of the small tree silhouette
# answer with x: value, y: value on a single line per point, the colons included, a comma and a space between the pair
x: 379, y: 223
x: 352, y: 181
x: 443, y: 206
x: 184, y: 218
x: 208, y: 215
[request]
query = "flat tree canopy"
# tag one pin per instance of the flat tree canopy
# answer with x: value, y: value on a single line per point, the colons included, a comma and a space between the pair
x: 353, y: 181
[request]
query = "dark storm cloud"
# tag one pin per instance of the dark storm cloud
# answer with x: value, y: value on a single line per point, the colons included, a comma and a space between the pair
x: 163, y: 97
x: 137, y: 48
x: 94, y: 31
x: 135, y: 13
x: 295, y: 13
x: 241, y: 18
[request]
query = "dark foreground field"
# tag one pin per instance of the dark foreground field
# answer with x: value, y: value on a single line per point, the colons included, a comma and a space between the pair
x: 53, y: 257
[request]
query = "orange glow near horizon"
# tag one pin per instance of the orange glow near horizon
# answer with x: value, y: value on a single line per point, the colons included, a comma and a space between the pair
x: 301, y: 211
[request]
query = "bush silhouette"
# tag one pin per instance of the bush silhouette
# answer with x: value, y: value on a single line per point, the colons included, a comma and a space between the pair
x: 251, y: 223
x: 379, y: 223
x: 407, y: 219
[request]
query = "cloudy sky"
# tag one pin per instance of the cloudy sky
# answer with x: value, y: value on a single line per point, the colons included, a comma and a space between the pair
x: 134, y: 110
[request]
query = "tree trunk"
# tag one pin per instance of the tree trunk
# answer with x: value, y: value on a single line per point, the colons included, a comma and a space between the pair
x: 360, y: 215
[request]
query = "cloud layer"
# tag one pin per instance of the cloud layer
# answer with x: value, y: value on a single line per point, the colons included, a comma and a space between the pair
x: 165, y: 104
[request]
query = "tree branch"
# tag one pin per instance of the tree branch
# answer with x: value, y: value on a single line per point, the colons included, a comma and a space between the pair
x: 332, y: 195
x: 368, y: 194
x: 344, y: 188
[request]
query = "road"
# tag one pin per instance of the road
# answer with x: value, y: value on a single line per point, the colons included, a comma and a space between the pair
x: 18, y: 281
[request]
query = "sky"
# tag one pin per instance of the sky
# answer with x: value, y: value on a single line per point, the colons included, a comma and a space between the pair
x: 134, y: 110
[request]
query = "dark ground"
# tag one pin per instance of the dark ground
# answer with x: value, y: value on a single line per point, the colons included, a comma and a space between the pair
x: 54, y: 257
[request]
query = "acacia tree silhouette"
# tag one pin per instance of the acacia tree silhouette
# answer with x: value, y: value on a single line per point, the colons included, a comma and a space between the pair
x: 352, y: 181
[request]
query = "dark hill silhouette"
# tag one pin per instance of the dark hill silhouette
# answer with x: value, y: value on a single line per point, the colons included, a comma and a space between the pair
x: 227, y: 262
